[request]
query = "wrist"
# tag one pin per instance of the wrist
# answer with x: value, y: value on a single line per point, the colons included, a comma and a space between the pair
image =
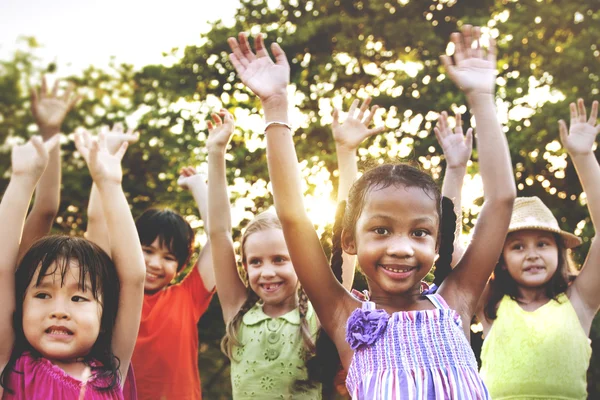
x: 344, y: 148
x: 275, y: 108
x: 48, y: 131
x: 216, y: 150
x: 475, y: 98
x: 581, y: 156
x: 456, y: 168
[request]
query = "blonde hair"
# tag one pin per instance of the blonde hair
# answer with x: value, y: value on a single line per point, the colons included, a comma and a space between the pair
x: 262, y: 222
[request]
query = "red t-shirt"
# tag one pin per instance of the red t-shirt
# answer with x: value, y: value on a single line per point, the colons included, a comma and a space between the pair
x: 165, y: 358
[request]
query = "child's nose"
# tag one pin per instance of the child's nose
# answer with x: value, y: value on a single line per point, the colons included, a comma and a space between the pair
x: 60, y: 311
x: 400, y: 246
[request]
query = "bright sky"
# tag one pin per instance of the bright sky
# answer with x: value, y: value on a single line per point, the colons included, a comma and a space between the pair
x: 77, y: 33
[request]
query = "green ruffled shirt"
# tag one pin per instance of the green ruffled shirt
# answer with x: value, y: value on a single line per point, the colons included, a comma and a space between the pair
x: 270, y: 361
x: 543, y: 354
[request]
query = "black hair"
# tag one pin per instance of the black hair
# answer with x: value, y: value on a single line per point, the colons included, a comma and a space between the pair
x: 172, y: 231
x: 58, y: 254
x: 502, y: 283
x: 443, y: 265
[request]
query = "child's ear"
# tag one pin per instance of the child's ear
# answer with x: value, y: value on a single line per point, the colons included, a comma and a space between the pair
x: 348, y: 243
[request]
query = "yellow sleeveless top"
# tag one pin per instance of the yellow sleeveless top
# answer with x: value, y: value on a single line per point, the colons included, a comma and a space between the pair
x: 542, y: 354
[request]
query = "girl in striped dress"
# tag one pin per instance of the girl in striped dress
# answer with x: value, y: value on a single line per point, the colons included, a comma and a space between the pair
x: 401, y: 343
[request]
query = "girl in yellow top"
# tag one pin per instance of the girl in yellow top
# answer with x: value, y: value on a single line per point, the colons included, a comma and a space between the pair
x: 535, y: 323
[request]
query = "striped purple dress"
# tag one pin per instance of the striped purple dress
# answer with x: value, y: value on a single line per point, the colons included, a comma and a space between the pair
x: 411, y: 355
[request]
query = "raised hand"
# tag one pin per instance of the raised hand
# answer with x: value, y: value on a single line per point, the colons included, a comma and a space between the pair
x: 104, y: 166
x: 580, y: 138
x: 189, y: 178
x: 472, y: 70
x: 457, y: 148
x: 49, y: 109
x: 267, y: 79
x: 351, y: 133
x: 220, y: 130
x: 31, y: 158
x: 116, y: 137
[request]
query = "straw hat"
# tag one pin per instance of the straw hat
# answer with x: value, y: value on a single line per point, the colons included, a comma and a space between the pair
x: 532, y: 213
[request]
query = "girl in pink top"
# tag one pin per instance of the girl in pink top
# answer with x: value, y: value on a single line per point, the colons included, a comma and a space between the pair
x: 70, y: 314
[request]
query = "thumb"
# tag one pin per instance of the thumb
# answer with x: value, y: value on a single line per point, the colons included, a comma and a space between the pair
x: 279, y: 54
x: 374, y: 131
x: 38, y: 144
x: 563, y: 132
x: 336, y: 116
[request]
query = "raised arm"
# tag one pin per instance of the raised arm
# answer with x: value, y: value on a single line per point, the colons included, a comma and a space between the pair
x: 49, y: 111
x: 231, y: 289
x: 348, y: 136
x: 28, y: 164
x: 474, y: 72
x: 269, y: 81
x: 579, y: 141
x: 190, y: 180
x: 97, y: 230
x: 126, y: 250
x: 457, y: 152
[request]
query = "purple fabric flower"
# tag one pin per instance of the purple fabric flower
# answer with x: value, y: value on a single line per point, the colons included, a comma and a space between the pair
x: 365, y: 327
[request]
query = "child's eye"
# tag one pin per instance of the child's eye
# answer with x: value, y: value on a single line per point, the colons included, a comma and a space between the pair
x: 170, y: 258
x: 254, y: 261
x: 78, y: 299
x: 421, y: 233
x: 279, y: 260
x: 381, y: 231
x: 543, y: 244
x: 517, y: 247
x: 146, y: 250
x: 42, y: 296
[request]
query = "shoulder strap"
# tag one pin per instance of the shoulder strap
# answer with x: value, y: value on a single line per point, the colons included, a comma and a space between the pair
x: 438, y: 301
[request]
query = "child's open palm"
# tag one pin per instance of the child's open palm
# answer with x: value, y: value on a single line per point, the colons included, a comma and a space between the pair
x: 31, y: 158
x: 258, y: 71
x: 49, y: 109
x: 457, y: 148
x: 355, y: 128
x: 472, y: 70
x: 220, y: 130
x: 104, y: 167
x: 580, y: 138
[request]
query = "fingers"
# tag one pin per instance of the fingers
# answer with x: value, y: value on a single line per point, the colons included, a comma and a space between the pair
x: 352, y: 108
x: 82, y: 147
x: 477, y: 51
x: 52, y: 143
x: 34, y: 100
x: 259, y: 44
x: 55, y: 88
x: 122, y: 149
x: 469, y: 139
x: 370, y: 115
x: 467, y: 36
x: 245, y: 47
x: 562, y: 131
x: 38, y: 144
x: 593, y: 113
x: 43, y: 88
x: 217, y: 119
x: 448, y: 64
x: 336, y: 116
x: 459, y: 51
x: 364, y: 106
x: 375, y: 131
x: 492, y: 51
x: 442, y: 125
x: 573, y: 109
x: 118, y: 128
x: 581, y: 110
x: 236, y: 56
x: 279, y: 54
x: 458, y: 128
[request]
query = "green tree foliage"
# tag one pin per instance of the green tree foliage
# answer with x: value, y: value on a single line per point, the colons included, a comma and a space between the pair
x: 338, y: 49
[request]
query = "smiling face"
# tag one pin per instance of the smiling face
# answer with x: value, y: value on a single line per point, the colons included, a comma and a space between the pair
x: 395, y: 238
x: 531, y: 257
x: 161, y: 266
x: 270, y: 272
x: 61, y: 320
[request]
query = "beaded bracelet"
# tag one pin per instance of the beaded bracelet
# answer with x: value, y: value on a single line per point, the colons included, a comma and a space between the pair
x: 277, y: 123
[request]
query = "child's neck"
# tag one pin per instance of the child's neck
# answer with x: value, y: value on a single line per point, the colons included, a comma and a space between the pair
x: 408, y: 301
x: 535, y: 295
x: 275, y: 310
x: 74, y: 368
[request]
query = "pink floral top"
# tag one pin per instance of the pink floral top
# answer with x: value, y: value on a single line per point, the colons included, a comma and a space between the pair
x: 37, y: 378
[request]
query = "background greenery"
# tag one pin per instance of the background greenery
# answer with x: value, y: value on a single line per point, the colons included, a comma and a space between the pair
x: 548, y: 57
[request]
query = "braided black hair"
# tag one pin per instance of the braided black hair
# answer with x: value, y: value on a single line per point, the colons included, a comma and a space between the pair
x: 443, y: 265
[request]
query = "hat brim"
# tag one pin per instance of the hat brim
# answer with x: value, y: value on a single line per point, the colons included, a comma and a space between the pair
x: 570, y: 241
